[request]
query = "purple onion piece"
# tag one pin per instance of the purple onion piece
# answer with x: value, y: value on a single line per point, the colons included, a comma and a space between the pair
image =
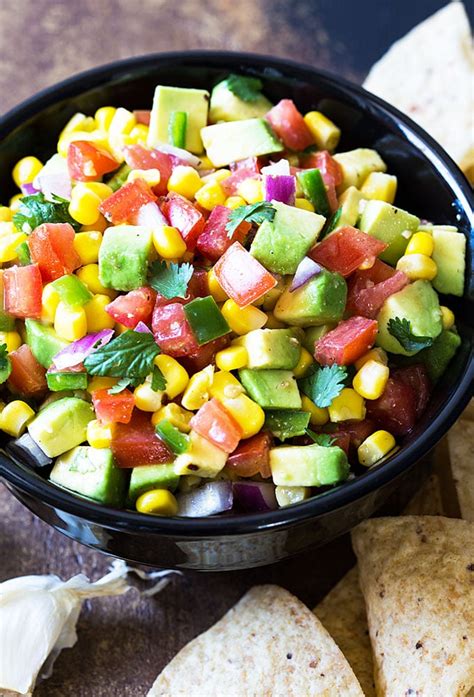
x: 210, y: 499
x: 276, y: 168
x: 150, y: 215
x: 142, y: 328
x: 307, y: 269
x: 255, y: 496
x: 281, y: 188
x: 28, y: 189
x: 76, y: 352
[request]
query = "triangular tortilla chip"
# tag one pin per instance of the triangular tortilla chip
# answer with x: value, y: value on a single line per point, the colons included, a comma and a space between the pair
x: 428, y: 74
x: 461, y: 451
x: 417, y: 576
x: 267, y: 644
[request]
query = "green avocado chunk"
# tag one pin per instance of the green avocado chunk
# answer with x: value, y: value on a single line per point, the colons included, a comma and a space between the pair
x: 123, y: 257
x: 91, y: 472
x: 314, y: 334
x: 308, y: 465
x: 61, y: 425
x: 389, y: 224
x: 167, y: 100
x: 227, y: 106
x: 282, y: 244
x: 438, y: 356
x: 286, y: 423
x: 43, y: 342
x: 271, y: 349
x: 149, y: 477
x: 236, y: 140
x: 320, y: 301
x: 349, y: 202
x: 449, y: 254
x: 357, y: 164
x: 272, y: 389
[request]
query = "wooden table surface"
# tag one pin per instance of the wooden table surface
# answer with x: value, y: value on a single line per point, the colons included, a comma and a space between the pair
x: 124, y: 642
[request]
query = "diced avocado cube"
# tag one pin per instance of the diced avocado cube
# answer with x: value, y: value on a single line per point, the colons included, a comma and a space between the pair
x: 43, y: 342
x: 449, y: 254
x: 227, y: 106
x: 308, y: 465
x: 202, y: 459
x: 357, y: 164
x: 320, y: 301
x: 350, y: 206
x: 91, y: 472
x: 271, y: 348
x: 285, y: 423
x: 282, y: 244
x: 150, y: 477
x: 123, y: 257
x: 419, y: 304
x: 389, y: 224
x: 438, y: 356
x: 61, y: 425
x: 272, y: 389
x: 236, y: 140
x: 314, y: 334
x: 194, y: 103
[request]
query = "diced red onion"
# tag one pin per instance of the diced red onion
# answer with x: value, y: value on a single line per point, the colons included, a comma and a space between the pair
x: 26, y: 448
x: 281, y: 187
x: 307, y: 269
x: 150, y: 216
x: 276, y: 168
x: 79, y: 350
x: 142, y: 328
x: 255, y: 496
x: 54, y: 179
x: 181, y: 154
x: 28, y: 189
x: 210, y: 499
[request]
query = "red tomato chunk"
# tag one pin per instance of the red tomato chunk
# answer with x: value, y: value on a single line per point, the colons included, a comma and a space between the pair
x: 133, y: 307
x: 395, y: 410
x: 139, y: 157
x: 251, y: 457
x: 347, y: 342
x: 205, y: 354
x: 346, y: 249
x: 243, y: 278
x: 214, y: 423
x: 369, y: 288
x: 142, y: 116
x: 23, y: 288
x: 124, y: 203
x: 289, y: 125
x: 86, y: 162
x: 214, y: 239
x: 331, y: 170
x: 172, y: 332
x: 417, y: 377
x: 28, y: 377
x: 52, y: 248
x: 136, y: 443
x: 113, y: 408
x: 232, y: 183
x: 184, y: 217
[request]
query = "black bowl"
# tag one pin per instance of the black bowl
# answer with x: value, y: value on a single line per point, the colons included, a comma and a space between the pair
x: 430, y: 185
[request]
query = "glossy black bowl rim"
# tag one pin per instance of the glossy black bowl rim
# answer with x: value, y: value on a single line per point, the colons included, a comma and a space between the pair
x: 339, y: 497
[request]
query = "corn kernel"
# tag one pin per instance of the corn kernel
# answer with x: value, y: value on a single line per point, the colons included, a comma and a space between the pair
x: 305, y: 361
x: 9, y: 244
x: 102, y: 190
x: 7, y: 228
x: 103, y: 117
x: 12, y: 340
x: 100, y: 383
x: 325, y: 133
x: 84, y: 206
x: 139, y: 134
x: 318, y: 416
x: 14, y: 417
x: 447, y: 317
x: 157, y: 502
x: 5, y: 214
x: 176, y: 415
x: 100, y: 435
x: 375, y: 447
x: 205, y: 163
x: 304, y: 204
x: 287, y: 495
x: 215, y: 288
x: 417, y: 267
x: 49, y: 303
x: 224, y: 384
x: 248, y: 414
x: 218, y: 176
x: 273, y: 322
x: 151, y: 176
x: 210, y: 195
x: 175, y: 375
x: 100, y: 225
x: 121, y: 328
x: 89, y: 275
x: 370, y: 381
x: 251, y: 190
x: 87, y: 245
x: 347, y: 405
x: 14, y: 202
x: 379, y: 186
x: 147, y: 399
x: 243, y: 319
x: 184, y: 180
x: 375, y: 354
x: 97, y: 316
x: 420, y: 243
x: 197, y: 391
x: 234, y: 202
x: 70, y: 323
x: 168, y: 242
x: 79, y: 122
x: 122, y: 122
x: 232, y: 358
x: 98, y: 138
x: 26, y: 170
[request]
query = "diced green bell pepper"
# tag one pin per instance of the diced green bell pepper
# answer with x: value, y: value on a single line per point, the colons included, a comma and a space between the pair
x: 23, y: 254
x: 177, y: 128
x: 72, y: 290
x: 177, y: 442
x: 205, y: 319
x: 286, y: 423
x: 314, y: 189
x: 119, y: 178
x: 66, y: 381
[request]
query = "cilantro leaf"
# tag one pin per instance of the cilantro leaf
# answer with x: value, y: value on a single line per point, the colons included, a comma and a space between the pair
x: 400, y: 329
x: 35, y: 210
x: 253, y: 213
x: 158, y: 380
x: 130, y: 355
x: 122, y: 385
x: 5, y: 363
x: 171, y: 281
x: 248, y: 89
x: 324, y: 384
x: 323, y: 439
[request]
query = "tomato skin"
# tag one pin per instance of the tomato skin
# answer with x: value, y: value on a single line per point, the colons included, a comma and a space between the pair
x: 133, y: 307
x: 205, y: 354
x: 28, y: 377
x: 185, y: 217
x: 52, y: 248
x: 23, y: 288
x: 172, y: 331
x: 214, y: 239
x: 368, y: 289
x: 242, y: 277
x: 346, y: 249
x: 347, y: 342
x: 251, y: 457
x: 417, y: 377
x: 136, y: 443
x: 142, y: 116
x: 395, y: 410
x: 139, y: 157
x: 214, y: 423
x: 87, y: 163
x: 124, y: 203
x: 289, y: 125
x: 331, y: 170
x: 113, y: 408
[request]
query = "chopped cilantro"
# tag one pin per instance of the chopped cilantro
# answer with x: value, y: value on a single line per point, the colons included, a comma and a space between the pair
x: 158, y: 380
x: 130, y: 355
x: 253, y: 213
x: 5, y: 363
x: 323, y: 439
x: 171, y: 281
x: 122, y: 385
x: 324, y: 384
x: 400, y: 329
x: 248, y: 89
x: 35, y: 210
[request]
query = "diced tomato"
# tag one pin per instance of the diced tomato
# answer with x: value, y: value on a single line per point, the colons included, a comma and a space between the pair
x: 197, y: 360
x: 331, y: 170
x: 347, y: 342
x: 52, y: 248
x: 214, y: 422
x: 28, y: 376
x: 142, y: 116
x: 395, y: 410
x: 133, y: 307
x: 251, y: 457
x: 87, y: 163
x: 113, y: 408
x: 417, y: 377
x: 136, y: 443
x: 124, y: 203
x: 139, y: 157
x: 232, y: 183
x: 346, y: 249
x: 332, y: 197
x: 172, y: 331
x: 289, y: 125
x: 185, y: 217
x: 243, y: 278
x: 23, y: 288
x: 357, y: 431
x: 369, y: 288
x: 252, y: 164
x: 214, y: 239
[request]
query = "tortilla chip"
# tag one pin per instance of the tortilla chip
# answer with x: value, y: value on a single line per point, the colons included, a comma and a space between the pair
x: 461, y: 451
x: 428, y: 75
x: 417, y: 576
x: 267, y: 644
